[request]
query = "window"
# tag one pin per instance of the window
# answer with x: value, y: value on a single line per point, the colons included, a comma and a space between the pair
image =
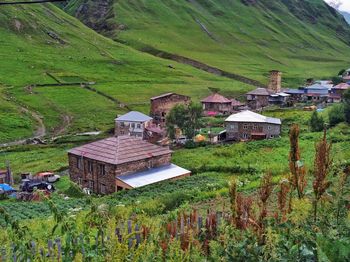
x: 245, y: 126
x: 91, y: 184
x: 79, y: 162
x: 255, y: 126
x: 269, y: 127
x: 102, y: 169
x: 90, y: 167
x: 132, y: 125
x: 150, y: 163
x: 138, y: 125
x: 122, y: 124
x: 103, y: 189
x: 245, y: 136
x: 80, y: 181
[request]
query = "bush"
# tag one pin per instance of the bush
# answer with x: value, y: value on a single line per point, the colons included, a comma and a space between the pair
x: 316, y: 122
x: 74, y: 191
x: 336, y: 115
x: 174, y: 200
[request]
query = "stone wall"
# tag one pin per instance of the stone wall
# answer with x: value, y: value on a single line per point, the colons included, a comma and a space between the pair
x: 275, y: 83
x: 161, y: 106
x: 106, y: 184
x: 238, y: 131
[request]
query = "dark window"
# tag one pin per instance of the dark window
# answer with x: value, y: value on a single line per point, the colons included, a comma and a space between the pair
x: 102, y: 189
x: 102, y: 169
x: 138, y: 125
x: 79, y: 162
x: 91, y: 185
x: 90, y: 167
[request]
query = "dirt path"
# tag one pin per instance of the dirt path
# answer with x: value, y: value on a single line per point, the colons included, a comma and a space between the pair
x: 39, y: 133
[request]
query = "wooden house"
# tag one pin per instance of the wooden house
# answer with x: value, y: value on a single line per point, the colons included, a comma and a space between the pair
x: 217, y: 104
x: 122, y: 162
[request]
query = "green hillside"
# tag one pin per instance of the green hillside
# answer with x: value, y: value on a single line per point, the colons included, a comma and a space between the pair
x: 301, y: 38
x: 41, y: 44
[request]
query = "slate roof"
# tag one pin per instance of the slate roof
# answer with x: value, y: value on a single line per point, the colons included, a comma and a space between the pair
x: 260, y: 92
x: 216, y: 98
x: 251, y: 117
x: 119, y: 150
x: 165, y: 95
x: 295, y: 91
x: 134, y: 116
x: 153, y: 175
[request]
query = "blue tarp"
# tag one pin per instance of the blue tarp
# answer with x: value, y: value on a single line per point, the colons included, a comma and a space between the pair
x: 6, y: 188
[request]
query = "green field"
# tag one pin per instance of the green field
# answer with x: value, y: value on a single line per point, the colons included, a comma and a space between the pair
x: 250, y: 40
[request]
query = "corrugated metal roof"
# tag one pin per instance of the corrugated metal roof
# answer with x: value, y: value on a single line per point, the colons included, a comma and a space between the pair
x: 251, y: 117
x: 134, y: 116
x: 153, y: 175
x: 120, y: 150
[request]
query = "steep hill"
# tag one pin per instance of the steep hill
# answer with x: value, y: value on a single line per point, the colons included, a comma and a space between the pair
x: 249, y: 37
x: 43, y: 45
x: 346, y: 16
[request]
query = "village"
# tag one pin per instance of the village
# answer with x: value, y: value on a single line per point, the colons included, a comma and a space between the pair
x: 140, y: 152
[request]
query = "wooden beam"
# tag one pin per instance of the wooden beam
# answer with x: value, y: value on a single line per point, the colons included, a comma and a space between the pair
x: 30, y: 2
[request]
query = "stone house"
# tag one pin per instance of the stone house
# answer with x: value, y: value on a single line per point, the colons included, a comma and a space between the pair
x: 161, y: 106
x: 218, y: 104
x: 248, y: 125
x: 281, y: 99
x: 122, y: 162
x: 132, y: 124
x: 259, y: 98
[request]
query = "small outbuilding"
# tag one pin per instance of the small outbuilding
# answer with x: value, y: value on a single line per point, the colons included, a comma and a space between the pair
x: 132, y: 124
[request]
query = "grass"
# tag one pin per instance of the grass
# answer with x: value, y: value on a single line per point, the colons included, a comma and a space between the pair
x: 246, y: 39
x: 29, y: 53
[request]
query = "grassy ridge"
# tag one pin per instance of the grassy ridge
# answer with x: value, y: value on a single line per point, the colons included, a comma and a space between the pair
x: 41, y: 39
x: 301, y: 38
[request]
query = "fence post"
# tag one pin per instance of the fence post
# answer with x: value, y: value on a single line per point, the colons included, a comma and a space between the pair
x: 49, y: 246
x: 59, y: 249
x: 129, y: 232
x: 138, y: 236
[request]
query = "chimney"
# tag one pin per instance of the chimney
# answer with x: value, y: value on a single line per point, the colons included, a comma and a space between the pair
x: 275, y: 81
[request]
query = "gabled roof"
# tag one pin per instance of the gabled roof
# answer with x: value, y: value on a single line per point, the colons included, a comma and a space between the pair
x: 261, y: 92
x: 251, y: 117
x: 167, y: 94
x: 119, y: 150
x: 134, y: 116
x: 153, y: 175
x: 342, y: 86
x: 317, y: 86
x: 216, y: 98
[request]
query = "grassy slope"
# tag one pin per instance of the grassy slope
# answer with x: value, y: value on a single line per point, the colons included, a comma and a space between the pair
x: 28, y: 52
x: 250, y: 40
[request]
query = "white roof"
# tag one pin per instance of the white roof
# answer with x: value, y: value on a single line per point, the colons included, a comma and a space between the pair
x: 251, y: 117
x: 153, y: 175
x: 134, y: 116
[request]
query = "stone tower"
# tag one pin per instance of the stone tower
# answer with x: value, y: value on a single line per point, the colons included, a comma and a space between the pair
x: 275, y: 81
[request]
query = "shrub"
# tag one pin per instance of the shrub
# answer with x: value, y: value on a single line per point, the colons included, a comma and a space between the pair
x: 336, y: 115
x: 74, y: 191
x: 316, y: 122
x: 174, y: 200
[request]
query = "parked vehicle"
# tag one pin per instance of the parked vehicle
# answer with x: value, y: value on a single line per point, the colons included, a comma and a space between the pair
x: 49, y: 177
x: 31, y: 186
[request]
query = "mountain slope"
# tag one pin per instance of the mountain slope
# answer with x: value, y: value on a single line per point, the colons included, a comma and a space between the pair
x: 41, y: 44
x: 346, y: 16
x: 249, y: 37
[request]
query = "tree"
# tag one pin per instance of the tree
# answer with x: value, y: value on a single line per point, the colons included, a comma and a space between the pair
x: 346, y: 108
x: 187, y: 118
x: 336, y: 114
x: 316, y: 122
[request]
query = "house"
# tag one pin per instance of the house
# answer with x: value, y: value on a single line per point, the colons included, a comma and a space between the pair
x: 132, y: 124
x: 248, y: 125
x: 6, y: 176
x: 340, y: 88
x: 161, y: 106
x: 217, y: 104
x: 259, y: 98
x: 317, y: 92
x: 296, y: 95
x: 281, y: 99
x: 122, y: 162
x: 237, y: 105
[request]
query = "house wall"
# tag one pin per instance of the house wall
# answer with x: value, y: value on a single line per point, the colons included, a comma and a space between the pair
x: 218, y: 107
x: 106, y: 184
x: 130, y: 128
x: 160, y: 107
x: 255, y: 101
x: 242, y: 130
x: 275, y: 81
